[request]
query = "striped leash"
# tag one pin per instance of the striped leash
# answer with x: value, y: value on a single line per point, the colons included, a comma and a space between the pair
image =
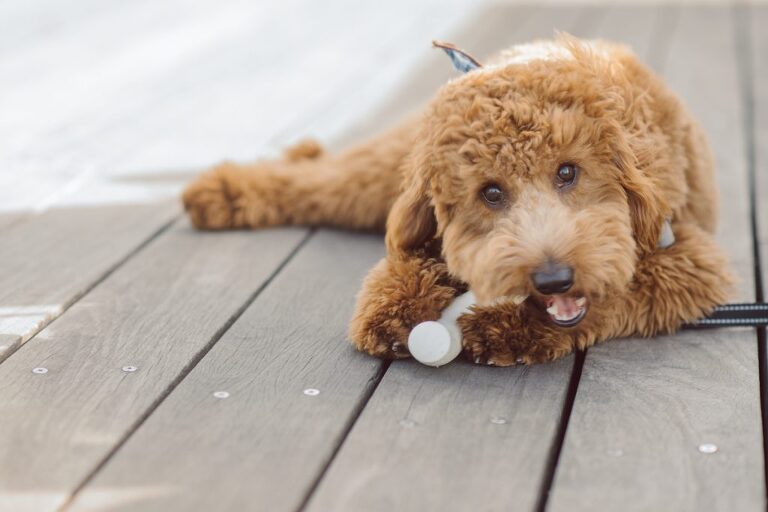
x: 731, y: 315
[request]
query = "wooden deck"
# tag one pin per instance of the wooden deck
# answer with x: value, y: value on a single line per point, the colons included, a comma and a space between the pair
x: 146, y: 366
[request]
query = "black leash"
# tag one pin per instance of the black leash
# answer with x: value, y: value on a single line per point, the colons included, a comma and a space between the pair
x: 734, y: 315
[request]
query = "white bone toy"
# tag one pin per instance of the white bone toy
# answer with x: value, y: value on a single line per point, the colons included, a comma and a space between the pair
x: 436, y: 343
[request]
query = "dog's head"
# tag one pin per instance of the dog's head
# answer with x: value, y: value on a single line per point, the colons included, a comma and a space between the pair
x: 528, y: 171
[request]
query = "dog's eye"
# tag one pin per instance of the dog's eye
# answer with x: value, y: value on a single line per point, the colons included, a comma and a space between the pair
x: 566, y: 175
x: 493, y: 195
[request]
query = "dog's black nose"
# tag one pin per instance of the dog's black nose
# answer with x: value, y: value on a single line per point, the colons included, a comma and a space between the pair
x: 552, y: 278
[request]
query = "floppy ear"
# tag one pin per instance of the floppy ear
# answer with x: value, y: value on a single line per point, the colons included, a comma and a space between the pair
x: 411, y: 222
x: 647, y: 208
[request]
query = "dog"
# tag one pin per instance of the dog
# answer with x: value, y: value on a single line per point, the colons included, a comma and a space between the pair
x: 562, y: 182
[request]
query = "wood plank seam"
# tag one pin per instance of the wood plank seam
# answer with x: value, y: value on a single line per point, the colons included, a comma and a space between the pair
x: 28, y: 337
x: 188, y: 368
x: 744, y: 60
x: 372, y: 384
x: 562, y: 428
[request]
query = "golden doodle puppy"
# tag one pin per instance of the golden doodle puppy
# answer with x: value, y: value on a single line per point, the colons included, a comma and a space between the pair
x: 562, y: 183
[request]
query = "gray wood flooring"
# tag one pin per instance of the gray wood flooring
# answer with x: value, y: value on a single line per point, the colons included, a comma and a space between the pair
x: 147, y: 366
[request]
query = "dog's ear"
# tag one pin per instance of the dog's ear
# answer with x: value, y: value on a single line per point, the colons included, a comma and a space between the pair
x: 411, y: 223
x: 647, y: 208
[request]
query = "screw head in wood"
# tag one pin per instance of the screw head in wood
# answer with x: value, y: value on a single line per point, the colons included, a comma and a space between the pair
x: 311, y: 392
x: 707, y: 448
x: 221, y: 394
x: 40, y: 370
x: 129, y: 369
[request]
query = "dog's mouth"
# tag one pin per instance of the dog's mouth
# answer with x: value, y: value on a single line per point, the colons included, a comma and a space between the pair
x: 563, y: 310
x: 566, y: 310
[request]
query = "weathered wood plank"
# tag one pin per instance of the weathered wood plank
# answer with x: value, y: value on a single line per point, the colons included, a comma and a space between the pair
x: 754, y: 45
x: 462, y: 437
x: 756, y: 17
x: 52, y: 259
x: 264, y: 445
x: 158, y: 312
x: 644, y: 407
x: 458, y: 438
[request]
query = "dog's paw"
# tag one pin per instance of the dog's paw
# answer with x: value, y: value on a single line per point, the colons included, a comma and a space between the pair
x: 396, y: 296
x: 481, y: 350
x: 237, y: 196
x: 386, y: 342
x: 507, y: 336
x: 207, y: 201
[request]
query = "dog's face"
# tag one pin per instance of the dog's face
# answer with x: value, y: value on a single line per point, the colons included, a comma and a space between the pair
x: 526, y: 173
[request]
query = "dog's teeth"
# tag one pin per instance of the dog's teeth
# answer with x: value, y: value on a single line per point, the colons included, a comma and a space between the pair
x: 581, y: 301
x: 552, y: 310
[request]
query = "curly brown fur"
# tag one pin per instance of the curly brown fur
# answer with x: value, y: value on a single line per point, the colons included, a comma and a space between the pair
x: 396, y: 295
x: 355, y: 189
x: 641, y: 159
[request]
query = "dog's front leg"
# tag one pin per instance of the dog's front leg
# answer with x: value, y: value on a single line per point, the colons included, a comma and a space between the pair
x: 397, y: 294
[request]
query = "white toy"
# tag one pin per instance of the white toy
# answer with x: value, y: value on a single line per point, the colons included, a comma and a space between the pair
x: 438, y: 343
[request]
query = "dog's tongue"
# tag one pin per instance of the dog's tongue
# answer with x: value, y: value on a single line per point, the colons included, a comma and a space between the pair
x: 566, y: 306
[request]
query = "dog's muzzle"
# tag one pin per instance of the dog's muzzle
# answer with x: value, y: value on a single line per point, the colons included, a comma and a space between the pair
x: 553, y: 280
